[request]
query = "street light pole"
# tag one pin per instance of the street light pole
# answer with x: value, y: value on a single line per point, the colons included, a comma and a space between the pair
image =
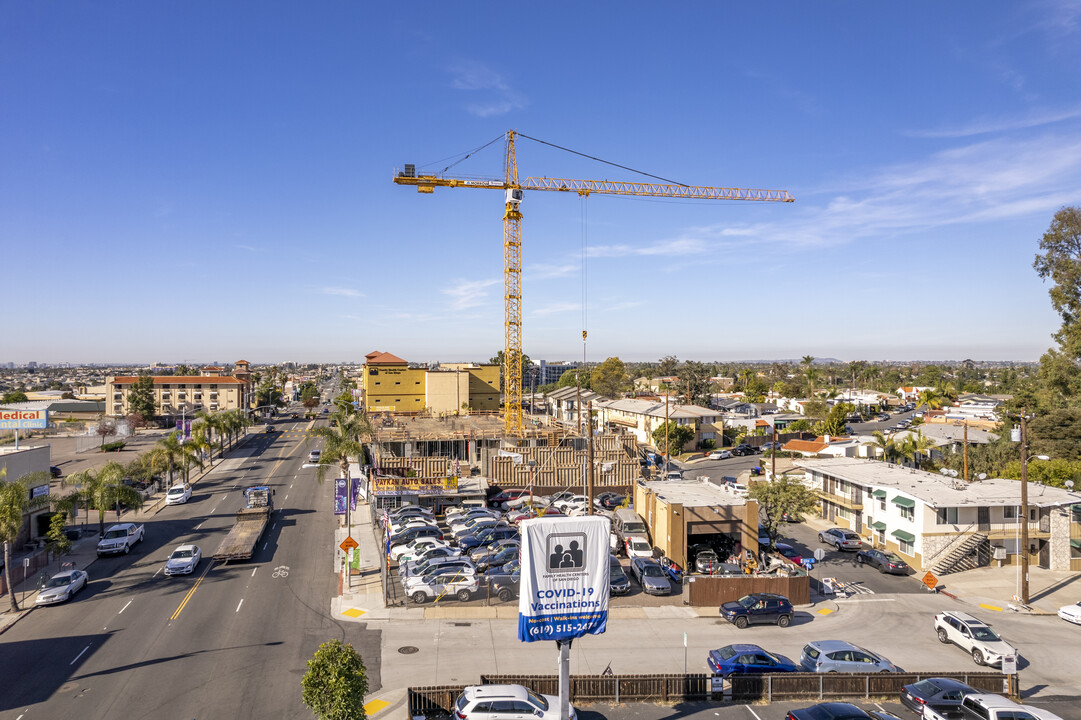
x: 1024, y: 511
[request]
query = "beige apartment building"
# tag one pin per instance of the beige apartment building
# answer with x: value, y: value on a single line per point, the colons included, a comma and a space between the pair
x: 211, y: 390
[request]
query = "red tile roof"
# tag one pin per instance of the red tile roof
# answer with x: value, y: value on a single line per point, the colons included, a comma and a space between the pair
x: 384, y: 358
x: 185, y: 379
x: 807, y: 446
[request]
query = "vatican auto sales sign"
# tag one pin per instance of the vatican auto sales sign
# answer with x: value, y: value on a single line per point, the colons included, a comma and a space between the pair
x: 564, y: 586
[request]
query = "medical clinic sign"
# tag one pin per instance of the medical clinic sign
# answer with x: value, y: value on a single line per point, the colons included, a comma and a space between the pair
x: 23, y: 419
x: 564, y: 585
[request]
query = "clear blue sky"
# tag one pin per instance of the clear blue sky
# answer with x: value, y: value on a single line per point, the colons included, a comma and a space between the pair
x: 196, y: 181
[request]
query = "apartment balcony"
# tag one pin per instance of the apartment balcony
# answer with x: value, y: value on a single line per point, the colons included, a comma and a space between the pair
x: 852, y: 502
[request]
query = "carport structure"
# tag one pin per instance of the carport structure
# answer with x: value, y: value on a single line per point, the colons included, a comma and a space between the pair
x: 682, y: 514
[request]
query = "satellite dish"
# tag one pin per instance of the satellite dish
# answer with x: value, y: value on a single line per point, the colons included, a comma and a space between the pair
x: 945, y: 471
x: 1069, y: 484
x: 953, y: 473
x: 982, y: 476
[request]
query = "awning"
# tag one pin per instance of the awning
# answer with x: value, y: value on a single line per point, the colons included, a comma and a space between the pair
x: 1075, y: 544
x: 902, y: 535
x: 903, y: 502
x: 878, y: 525
x: 879, y: 494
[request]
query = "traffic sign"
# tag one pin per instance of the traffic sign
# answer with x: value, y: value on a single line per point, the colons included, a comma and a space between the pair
x: 348, y: 544
x: 819, y: 554
x: 930, y: 581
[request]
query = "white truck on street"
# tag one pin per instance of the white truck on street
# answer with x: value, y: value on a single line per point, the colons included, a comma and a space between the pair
x: 119, y: 539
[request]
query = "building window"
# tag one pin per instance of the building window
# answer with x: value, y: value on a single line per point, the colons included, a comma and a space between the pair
x: 396, y: 383
x: 947, y: 516
x: 906, y: 547
x: 1009, y: 513
x: 908, y: 513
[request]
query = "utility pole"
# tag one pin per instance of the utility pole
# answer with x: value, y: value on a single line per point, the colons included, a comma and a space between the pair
x: 1024, y: 510
x: 773, y: 455
x: 965, y: 476
x: 589, y: 456
x: 667, y: 455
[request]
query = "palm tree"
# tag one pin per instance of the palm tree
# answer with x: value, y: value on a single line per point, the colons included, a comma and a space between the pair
x: 167, y: 453
x: 211, y: 423
x: 15, y: 501
x: 887, y: 447
x: 104, y: 489
x: 931, y: 398
x: 913, y: 447
x: 341, y: 442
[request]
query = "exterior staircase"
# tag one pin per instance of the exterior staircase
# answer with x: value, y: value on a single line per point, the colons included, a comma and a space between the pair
x: 965, y: 553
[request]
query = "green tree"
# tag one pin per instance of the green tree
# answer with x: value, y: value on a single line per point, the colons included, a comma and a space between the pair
x: 801, y: 425
x: 809, y: 372
x: 886, y: 446
x: 931, y: 399
x: 1060, y: 262
x: 58, y: 541
x: 141, y: 397
x: 167, y: 454
x: 498, y: 360
x: 780, y: 497
x: 336, y: 682
x: 570, y: 379
x: 344, y: 403
x: 609, y: 378
x: 104, y: 489
x: 212, y: 423
x: 694, y: 382
x: 15, y: 502
x: 15, y: 396
x: 672, y: 434
x: 341, y: 442
x: 915, y: 448
x: 667, y: 366
x: 834, y: 422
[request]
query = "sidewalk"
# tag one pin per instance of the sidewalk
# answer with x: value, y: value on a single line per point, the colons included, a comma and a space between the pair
x: 84, y: 550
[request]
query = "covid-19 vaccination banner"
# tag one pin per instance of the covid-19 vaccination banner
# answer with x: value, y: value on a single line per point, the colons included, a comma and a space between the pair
x: 564, y: 585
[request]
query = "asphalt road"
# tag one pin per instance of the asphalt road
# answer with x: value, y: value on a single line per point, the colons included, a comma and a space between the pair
x: 229, y: 640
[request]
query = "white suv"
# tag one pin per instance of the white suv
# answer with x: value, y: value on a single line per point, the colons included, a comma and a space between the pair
x: 841, y: 538
x: 973, y: 636
x: 506, y: 702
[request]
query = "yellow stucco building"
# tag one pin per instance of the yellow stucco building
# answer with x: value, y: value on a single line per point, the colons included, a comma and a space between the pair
x: 391, y: 385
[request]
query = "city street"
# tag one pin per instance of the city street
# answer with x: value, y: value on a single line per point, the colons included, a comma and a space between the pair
x: 226, y: 641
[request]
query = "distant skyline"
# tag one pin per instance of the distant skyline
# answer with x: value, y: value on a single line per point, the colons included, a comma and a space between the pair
x: 197, y: 180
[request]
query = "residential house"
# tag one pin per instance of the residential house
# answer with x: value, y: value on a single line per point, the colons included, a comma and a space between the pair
x: 942, y: 524
x: 642, y: 417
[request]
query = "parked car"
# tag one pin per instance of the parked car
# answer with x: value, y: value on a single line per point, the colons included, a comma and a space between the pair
x: 973, y: 636
x: 1071, y: 613
x: 178, y: 494
x: 618, y: 582
x: 758, y: 608
x: 506, y: 702
x: 414, y: 533
x: 886, y: 562
x: 744, y: 449
x: 744, y: 659
x: 771, y: 446
x: 184, y: 560
x: 442, y: 583
x: 650, y: 576
x: 637, y: 547
x: 497, y: 559
x: 841, y: 656
x: 494, y: 547
x: 411, y: 550
x: 840, y: 538
x: 501, y: 498
x: 61, y: 587
x: 789, y: 553
x: 719, y: 455
x: 402, y: 524
x: 673, y: 475
x: 503, y: 585
x: 436, y: 559
x: 938, y: 692
x: 55, y: 471
x: 487, y: 536
x: 833, y: 711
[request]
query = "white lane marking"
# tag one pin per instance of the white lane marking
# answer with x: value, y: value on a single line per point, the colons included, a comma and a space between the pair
x: 294, y: 477
x: 239, y: 604
x: 286, y: 497
x: 290, y: 486
x: 20, y: 717
x: 881, y: 709
x: 264, y: 547
x: 253, y: 571
x: 79, y: 655
x: 752, y: 712
x: 273, y: 526
x: 196, y: 527
x: 126, y: 606
x: 155, y: 574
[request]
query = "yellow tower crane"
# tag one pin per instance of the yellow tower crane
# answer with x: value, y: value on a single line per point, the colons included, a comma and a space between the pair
x: 512, y: 241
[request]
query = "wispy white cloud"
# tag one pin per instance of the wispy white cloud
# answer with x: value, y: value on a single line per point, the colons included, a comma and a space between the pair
x: 985, y: 125
x: 556, y: 308
x: 249, y: 248
x: 469, y: 293
x: 548, y: 272
x: 668, y: 248
x: 341, y: 291
x: 495, y: 96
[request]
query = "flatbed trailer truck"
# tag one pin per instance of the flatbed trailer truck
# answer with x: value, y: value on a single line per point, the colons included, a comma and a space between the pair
x: 251, y: 522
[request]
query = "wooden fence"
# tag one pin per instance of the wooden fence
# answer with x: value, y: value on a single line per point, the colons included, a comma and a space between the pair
x: 706, y: 591
x: 38, y: 560
x: 831, y: 686
x: 438, y: 701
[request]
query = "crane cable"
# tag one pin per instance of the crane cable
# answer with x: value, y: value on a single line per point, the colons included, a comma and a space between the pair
x: 606, y: 162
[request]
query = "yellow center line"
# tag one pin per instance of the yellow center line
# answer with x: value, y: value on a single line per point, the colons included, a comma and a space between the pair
x: 191, y: 592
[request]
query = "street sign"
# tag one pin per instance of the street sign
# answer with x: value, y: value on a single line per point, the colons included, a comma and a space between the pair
x: 1009, y: 664
x: 819, y: 554
x: 930, y: 581
x: 348, y: 544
